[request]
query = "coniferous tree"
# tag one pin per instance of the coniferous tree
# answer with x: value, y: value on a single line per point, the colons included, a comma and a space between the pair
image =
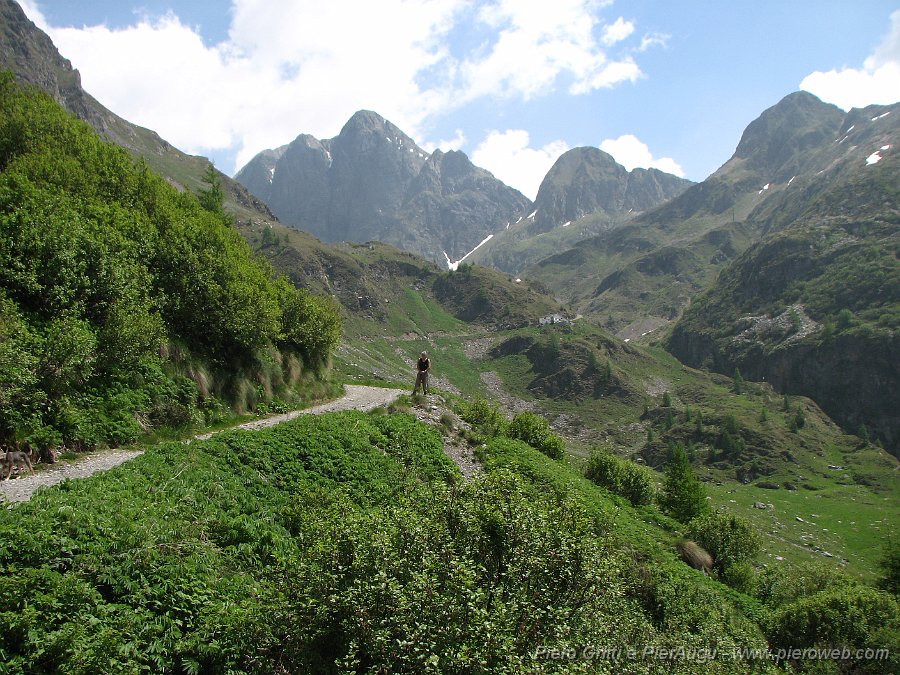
x: 738, y: 386
x: 683, y: 496
x: 212, y: 198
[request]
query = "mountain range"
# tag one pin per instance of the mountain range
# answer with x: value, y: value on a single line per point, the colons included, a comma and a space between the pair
x: 625, y: 331
x: 782, y: 264
x: 373, y: 182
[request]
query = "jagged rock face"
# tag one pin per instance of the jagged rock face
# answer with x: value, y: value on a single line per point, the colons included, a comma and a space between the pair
x: 373, y: 163
x: 588, y: 181
x: 457, y: 195
x: 372, y: 182
x: 32, y: 56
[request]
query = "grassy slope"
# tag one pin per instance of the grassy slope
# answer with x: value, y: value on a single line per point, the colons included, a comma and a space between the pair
x: 304, y: 543
x: 794, y: 464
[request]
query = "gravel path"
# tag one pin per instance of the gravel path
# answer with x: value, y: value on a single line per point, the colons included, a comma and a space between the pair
x: 356, y: 397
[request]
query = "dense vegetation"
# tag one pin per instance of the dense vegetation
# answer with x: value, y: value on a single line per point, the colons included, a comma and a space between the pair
x: 124, y: 304
x: 332, y: 543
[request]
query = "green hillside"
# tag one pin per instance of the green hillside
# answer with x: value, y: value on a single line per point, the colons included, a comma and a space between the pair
x: 125, y: 306
x: 814, y: 307
x: 752, y: 447
x: 348, y: 541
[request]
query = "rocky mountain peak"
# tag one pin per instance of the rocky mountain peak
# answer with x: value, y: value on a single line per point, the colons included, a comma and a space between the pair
x: 588, y: 180
x: 373, y: 182
x: 778, y: 139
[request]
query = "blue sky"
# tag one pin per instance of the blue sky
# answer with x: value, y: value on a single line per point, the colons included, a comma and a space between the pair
x: 512, y: 83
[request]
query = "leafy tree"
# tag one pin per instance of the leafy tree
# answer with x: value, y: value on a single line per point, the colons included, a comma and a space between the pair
x: 118, y: 293
x: 682, y: 495
x: 309, y: 323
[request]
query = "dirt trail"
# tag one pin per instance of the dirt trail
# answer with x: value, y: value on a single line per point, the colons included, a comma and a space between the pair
x: 356, y: 397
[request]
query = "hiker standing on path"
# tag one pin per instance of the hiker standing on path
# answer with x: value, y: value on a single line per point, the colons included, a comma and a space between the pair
x: 423, y: 366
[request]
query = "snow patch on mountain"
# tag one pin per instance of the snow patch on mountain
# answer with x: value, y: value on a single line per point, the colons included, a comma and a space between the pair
x: 876, y: 157
x: 453, y: 266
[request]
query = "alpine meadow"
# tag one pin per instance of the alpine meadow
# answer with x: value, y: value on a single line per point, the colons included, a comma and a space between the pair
x: 661, y: 433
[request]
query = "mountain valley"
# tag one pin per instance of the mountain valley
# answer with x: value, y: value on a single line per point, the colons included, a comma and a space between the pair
x: 622, y: 325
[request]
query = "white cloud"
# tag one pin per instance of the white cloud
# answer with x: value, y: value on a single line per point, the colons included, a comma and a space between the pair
x: 878, y: 81
x: 292, y: 66
x: 284, y: 69
x: 653, y: 40
x: 618, y: 31
x: 455, y: 143
x: 178, y: 90
x: 508, y: 156
x: 539, y: 42
x: 631, y: 152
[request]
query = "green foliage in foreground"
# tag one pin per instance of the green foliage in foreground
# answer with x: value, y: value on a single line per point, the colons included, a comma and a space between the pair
x: 119, y: 295
x: 328, y: 543
x: 348, y: 542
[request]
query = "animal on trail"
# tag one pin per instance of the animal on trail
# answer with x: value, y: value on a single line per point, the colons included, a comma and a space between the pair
x: 16, y: 458
x: 694, y: 555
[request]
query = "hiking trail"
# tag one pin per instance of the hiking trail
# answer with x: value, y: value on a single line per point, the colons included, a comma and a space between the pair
x: 356, y: 397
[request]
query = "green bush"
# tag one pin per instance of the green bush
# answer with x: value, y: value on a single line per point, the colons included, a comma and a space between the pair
x: 890, y: 567
x: 850, y: 616
x: 732, y: 541
x: 535, y: 430
x: 740, y: 576
x: 486, y: 417
x: 777, y: 585
x: 627, y: 479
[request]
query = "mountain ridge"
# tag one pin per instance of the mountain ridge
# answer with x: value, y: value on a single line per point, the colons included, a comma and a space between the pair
x: 31, y: 55
x: 373, y: 182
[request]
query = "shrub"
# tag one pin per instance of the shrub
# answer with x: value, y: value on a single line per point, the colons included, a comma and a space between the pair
x: 486, y: 417
x: 535, y: 430
x: 622, y: 477
x: 778, y: 585
x: 849, y: 616
x: 890, y: 567
x: 740, y: 576
x: 731, y: 540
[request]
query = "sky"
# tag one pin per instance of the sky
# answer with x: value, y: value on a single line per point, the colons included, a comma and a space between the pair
x: 670, y: 84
